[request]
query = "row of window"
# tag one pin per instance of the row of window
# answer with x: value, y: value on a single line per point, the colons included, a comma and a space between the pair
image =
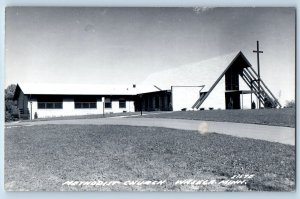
x: 49, y: 105
x: 78, y: 105
x: 85, y: 105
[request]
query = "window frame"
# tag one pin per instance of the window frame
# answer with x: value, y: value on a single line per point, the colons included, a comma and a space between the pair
x: 49, y: 105
x: 106, y: 102
x: 122, y: 101
x: 85, y: 105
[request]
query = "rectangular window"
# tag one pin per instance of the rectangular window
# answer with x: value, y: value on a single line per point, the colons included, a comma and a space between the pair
x: 85, y: 102
x: 57, y: 105
x: 50, y: 105
x: 93, y: 105
x: 50, y: 102
x: 85, y: 105
x: 107, y: 103
x: 77, y: 105
x: 41, y: 105
x: 122, y: 104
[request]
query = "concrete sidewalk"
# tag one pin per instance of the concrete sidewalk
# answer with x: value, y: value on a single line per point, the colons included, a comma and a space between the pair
x: 284, y: 135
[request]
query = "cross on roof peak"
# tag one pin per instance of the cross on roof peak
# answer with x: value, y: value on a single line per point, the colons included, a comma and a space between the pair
x: 257, y: 48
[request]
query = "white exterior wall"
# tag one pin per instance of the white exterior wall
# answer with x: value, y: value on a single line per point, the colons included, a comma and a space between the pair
x: 184, y: 97
x: 216, y: 99
x: 246, y: 98
x: 69, y: 109
x: 115, y: 107
x: 130, y: 106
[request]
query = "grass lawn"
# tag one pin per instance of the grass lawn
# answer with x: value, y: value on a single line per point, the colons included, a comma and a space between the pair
x: 41, y: 158
x: 91, y: 116
x: 276, y: 117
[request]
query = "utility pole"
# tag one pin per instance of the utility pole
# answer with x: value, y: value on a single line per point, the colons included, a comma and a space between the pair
x: 257, y: 51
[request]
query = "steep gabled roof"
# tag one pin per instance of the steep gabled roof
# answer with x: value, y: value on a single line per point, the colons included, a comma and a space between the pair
x: 202, y: 73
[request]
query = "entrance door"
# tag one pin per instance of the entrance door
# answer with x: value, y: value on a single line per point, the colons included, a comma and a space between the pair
x: 232, y: 100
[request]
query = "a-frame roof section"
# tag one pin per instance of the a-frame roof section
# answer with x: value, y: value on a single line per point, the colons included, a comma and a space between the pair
x: 234, y: 63
x: 205, y: 73
x: 17, y: 92
x: 239, y: 61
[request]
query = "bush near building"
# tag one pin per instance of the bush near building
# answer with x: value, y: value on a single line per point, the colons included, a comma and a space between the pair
x: 290, y: 104
x: 11, y: 110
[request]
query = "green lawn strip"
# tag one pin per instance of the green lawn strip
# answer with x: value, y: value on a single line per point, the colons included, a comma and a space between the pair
x: 90, y: 116
x: 276, y: 117
x: 41, y: 158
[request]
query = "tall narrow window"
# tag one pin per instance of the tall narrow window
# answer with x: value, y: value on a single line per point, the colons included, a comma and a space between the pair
x: 156, y: 102
x: 107, y: 103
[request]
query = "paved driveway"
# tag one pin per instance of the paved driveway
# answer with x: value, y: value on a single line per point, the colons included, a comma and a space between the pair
x: 285, y: 135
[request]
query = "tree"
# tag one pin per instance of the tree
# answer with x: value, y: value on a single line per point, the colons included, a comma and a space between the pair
x: 11, y: 110
x: 290, y: 104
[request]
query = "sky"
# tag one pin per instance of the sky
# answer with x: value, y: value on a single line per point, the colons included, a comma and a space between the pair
x: 125, y: 45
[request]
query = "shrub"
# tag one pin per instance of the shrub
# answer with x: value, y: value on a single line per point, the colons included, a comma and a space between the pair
x: 11, y: 110
x: 35, y: 115
x: 290, y: 104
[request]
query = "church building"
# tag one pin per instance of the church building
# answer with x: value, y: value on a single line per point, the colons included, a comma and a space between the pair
x: 225, y: 82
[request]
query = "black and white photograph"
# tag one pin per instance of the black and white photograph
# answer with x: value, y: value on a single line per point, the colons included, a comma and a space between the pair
x: 172, y: 99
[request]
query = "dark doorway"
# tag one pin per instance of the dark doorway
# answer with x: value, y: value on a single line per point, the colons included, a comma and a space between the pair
x: 232, y: 100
